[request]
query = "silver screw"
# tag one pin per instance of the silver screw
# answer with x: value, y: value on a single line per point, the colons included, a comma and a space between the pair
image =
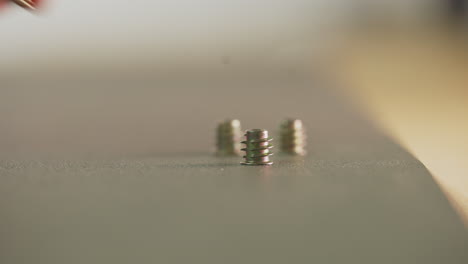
x: 292, y: 137
x: 228, y: 136
x: 257, y: 147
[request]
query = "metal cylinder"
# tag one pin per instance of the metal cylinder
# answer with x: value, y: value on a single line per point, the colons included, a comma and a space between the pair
x: 257, y: 147
x: 292, y: 137
x: 228, y: 137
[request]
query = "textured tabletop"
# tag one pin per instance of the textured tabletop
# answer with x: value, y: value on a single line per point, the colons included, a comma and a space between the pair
x: 90, y: 176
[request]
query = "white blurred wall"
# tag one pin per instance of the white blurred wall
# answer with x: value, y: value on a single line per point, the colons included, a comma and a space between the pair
x: 94, y: 33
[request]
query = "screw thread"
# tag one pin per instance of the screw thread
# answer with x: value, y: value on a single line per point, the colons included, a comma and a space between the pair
x: 292, y: 137
x: 257, y: 148
x: 228, y: 135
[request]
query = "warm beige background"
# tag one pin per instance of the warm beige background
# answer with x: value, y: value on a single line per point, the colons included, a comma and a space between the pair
x: 415, y: 84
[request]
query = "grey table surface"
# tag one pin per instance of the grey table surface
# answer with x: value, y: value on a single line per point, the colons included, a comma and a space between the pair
x: 119, y: 175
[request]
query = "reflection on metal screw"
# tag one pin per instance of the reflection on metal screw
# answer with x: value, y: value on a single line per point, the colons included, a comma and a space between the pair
x: 292, y: 137
x: 228, y: 136
x: 28, y: 4
x: 257, y: 147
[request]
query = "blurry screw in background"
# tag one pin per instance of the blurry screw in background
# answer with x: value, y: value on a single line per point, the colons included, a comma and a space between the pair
x: 292, y: 137
x: 228, y: 137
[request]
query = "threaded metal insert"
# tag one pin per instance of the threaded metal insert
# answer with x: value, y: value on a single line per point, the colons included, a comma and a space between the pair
x: 292, y: 137
x: 257, y: 147
x: 228, y: 136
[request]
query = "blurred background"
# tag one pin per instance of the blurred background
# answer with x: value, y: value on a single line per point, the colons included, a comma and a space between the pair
x: 80, y: 76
